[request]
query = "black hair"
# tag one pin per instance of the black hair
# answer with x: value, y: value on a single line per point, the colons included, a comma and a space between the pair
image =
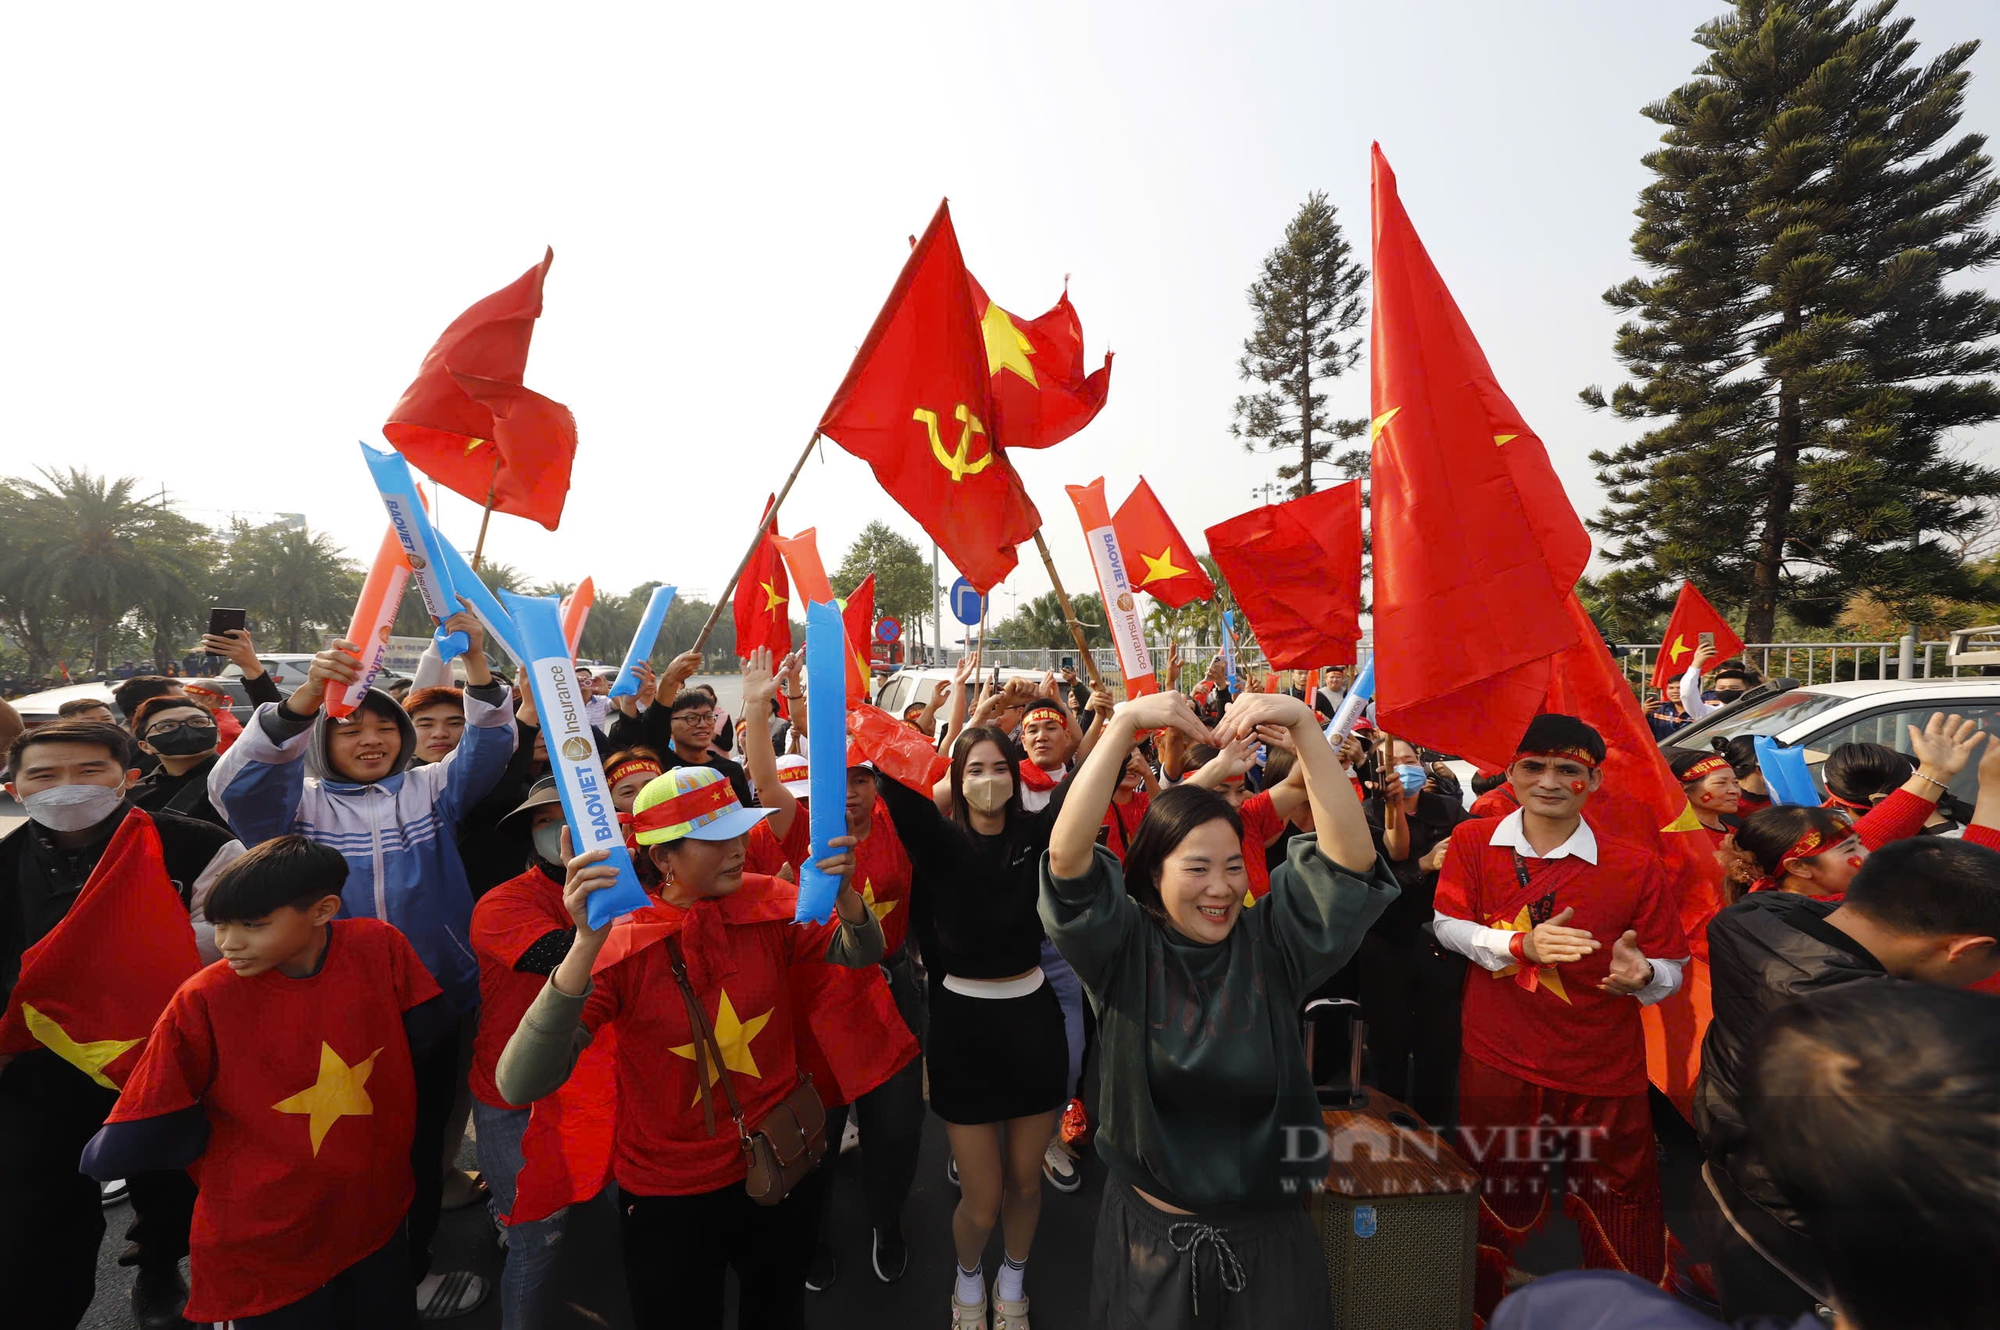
x: 153, y: 706
x: 139, y: 688
x: 706, y: 690
x: 968, y: 739
x: 1200, y: 755
x: 1552, y: 732
x: 1169, y: 819
x: 1742, y: 676
x: 688, y: 699
x: 1876, y: 1108
x: 77, y: 705
x: 1765, y: 835
x: 1931, y: 887
x: 1857, y: 771
x: 288, y: 870
x: 1278, y: 764
x: 1740, y: 752
x: 114, y: 739
x: 1682, y: 760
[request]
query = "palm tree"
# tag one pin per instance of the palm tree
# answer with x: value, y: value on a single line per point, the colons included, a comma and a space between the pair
x: 101, y: 550
x: 294, y: 581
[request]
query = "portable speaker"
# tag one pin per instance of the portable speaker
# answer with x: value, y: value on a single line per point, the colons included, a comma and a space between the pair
x: 1399, y: 1216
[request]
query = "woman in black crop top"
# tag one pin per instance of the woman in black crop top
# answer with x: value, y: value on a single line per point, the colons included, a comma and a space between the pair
x: 997, y: 1056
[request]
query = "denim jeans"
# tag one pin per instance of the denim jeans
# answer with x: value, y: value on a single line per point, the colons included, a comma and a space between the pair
x: 531, y: 1248
x: 1069, y: 996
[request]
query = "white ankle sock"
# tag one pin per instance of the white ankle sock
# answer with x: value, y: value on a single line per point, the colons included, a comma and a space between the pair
x: 971, y: 1288
x: 1007, y: 1285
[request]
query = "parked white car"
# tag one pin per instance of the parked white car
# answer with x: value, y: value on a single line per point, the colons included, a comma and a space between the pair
x: 1826, y: 715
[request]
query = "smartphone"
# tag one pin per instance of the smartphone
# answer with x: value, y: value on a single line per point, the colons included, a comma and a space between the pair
x: 1069, y: 662
x: 222, y: 622
x: 996, y: 676
x: 1706, y: 639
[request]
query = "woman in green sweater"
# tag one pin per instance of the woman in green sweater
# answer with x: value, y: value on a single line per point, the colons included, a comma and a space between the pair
x: 1208, y: 1119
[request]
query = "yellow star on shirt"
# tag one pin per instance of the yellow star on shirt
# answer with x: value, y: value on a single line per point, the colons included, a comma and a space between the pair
x: 771, y: 598
x: 91, y: 1059
x: 1007, y: 347
x: 1161, y: 569
x: 868, y: 898
x: 733, y: 1037
x: 470, y: 444
x: 337, y: 1094
x: 1545, y: 976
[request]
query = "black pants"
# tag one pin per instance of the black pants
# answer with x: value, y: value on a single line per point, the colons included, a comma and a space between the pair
x: 678, y: 1248
x: 891, y: 1115
x: 1411, y: 998
x: 51, y: 1216
x: 438, y: 1080
x: 371, y: 1294
x: 1248, y: 1270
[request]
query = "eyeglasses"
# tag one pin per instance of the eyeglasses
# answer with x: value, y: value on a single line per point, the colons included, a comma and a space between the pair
x: 155, y: 730
x: 694, y: 718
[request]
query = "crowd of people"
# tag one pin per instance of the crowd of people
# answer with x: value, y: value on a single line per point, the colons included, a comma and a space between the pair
x: 1063, y: 925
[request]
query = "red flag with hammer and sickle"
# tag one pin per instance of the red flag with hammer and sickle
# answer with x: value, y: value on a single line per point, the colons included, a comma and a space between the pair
x: 1692, y: 617
x: 917, y: 406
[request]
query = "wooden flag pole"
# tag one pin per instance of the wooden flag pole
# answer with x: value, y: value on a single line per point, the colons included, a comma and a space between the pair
x: 1075, y: 628
x: 492, y: 487
x: 769, y: 523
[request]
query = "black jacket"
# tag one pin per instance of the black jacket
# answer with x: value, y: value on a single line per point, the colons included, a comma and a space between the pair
x: 1763, y: 951
x: 1432, y: 821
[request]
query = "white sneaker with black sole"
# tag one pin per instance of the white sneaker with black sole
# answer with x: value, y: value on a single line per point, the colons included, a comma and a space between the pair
x: 1059, y: 1168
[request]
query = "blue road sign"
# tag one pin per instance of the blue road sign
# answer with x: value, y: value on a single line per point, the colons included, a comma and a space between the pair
x: 966, y: 603
x: 888, y: 630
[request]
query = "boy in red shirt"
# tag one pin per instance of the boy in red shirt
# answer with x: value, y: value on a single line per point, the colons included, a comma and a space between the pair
x: 1575, y: 932
x: 281, y: 1077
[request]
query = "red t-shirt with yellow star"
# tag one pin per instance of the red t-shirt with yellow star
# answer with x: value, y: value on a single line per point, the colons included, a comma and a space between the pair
x: 881, y: 868
x: 310, y: 1101
x: 1561, y: 1031
x: 739, y: 948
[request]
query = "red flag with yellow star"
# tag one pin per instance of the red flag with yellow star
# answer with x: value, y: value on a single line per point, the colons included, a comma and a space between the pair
x: 1041, y: 394
x: 1162, y: 563
x: 809, y: 576
x: 92, y: 988
x: 859, y: 620
x: 468, y: 422
x: 763, y: 600
x: 917, y: 406
x: 1692, y: 617
x: 1476, y: 545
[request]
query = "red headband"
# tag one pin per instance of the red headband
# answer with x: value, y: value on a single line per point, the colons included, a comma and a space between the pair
x: 633, y: 768
x: 710, y: 798
x: 1708, y: 766
x: 1814, y: 842
x: 1573, y: 754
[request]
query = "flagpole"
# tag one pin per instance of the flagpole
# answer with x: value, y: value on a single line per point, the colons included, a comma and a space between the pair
x: 492, y: 487
x: 769, y: 523
x: 1075, y: 628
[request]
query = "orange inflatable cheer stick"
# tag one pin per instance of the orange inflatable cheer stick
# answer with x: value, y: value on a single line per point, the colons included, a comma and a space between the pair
x: 575, y: 610
x: 374, y: 615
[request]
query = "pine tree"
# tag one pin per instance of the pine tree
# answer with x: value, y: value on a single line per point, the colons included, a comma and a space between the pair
x: 1307, y: 300
x: 1800, y: 332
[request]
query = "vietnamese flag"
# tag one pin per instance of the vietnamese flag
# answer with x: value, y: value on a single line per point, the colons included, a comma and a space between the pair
x: 1162, y: 562
x: 762, y: 593
x: 91, y: 990
x: 1041, y: 394
x: 859, y: 619
x: 1642, y: 804
x: 1692, y: 617
x: 469, y: 424
x: 1295, y: 570
x: 809, y: 576
x: 916, y: 405
x: 1476, y: 545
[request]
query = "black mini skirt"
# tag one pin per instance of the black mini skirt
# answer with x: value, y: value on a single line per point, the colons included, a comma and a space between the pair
x: 992, y: 1059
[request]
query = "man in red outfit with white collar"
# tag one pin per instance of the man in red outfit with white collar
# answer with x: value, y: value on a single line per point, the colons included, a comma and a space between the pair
x: 1574, y: 932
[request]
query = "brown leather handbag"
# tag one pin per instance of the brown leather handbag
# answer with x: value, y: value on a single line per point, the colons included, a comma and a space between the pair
x: 779, y: 1151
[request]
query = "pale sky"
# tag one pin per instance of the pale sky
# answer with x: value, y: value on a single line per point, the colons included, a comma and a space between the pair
x: 234, y: 230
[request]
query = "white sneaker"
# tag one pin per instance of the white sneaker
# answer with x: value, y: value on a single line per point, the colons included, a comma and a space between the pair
x: 1059, y: 1168
x: 850, y: 1136
x: 110, y: 1193
x: 951, y: 1168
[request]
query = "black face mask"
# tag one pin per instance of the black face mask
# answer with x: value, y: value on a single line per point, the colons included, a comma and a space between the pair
x: 183, y: 740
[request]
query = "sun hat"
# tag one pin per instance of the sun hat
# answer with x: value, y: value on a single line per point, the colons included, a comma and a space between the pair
x: 542, y: 792
x: 696, y: 803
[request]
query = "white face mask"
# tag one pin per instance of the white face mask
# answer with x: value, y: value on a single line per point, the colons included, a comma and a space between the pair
x: 72, y: 807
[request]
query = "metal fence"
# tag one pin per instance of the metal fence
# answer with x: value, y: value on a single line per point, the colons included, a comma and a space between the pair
x: 1807, y: 662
